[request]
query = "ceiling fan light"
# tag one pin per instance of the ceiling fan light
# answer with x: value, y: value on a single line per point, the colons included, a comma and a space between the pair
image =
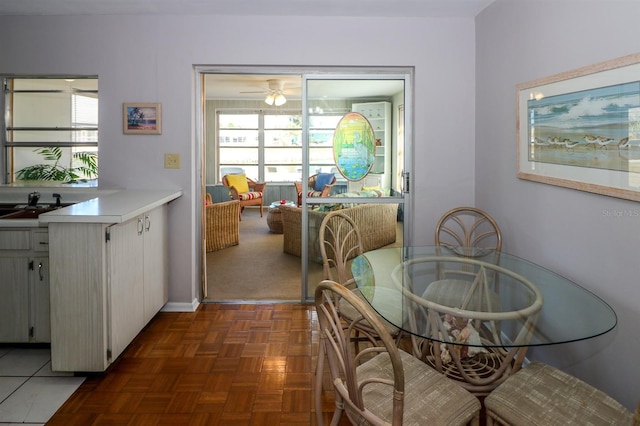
x: 270, y: 99
x: 279, y: 99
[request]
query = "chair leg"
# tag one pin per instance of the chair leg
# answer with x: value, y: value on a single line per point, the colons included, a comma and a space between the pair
x: 261, y: 209
x: 318, y: 387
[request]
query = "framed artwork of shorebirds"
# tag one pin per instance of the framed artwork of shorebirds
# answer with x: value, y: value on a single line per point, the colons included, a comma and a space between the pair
x: 581, y: 129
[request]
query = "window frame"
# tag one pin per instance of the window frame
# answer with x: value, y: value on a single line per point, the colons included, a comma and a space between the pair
x: 7, y: 140
x: 261, y: 146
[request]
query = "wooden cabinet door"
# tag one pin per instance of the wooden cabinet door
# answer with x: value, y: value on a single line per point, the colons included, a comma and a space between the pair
x: 156, y: 265
x: 125, y: 284
x: 78, y: 294
x: 39, y: 297
x: 14, y: 300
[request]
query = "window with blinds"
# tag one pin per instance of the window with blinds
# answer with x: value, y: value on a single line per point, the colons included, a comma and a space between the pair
x: 50, y: 129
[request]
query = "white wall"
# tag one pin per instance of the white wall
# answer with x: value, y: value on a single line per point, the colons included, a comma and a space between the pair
x: 565, y: 230
x: 151, y: 59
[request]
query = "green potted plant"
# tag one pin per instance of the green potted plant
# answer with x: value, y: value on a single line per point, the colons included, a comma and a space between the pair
x: 56, y: 172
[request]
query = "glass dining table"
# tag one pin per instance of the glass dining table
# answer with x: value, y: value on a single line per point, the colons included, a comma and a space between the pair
x: 472, y: 313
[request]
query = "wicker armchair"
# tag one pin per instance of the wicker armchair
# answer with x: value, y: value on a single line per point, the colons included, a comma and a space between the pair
x: 253, y: 196
x: 311, y: 192
x: 377, y: 224
x: 221, y: 224
x: 381, y: 384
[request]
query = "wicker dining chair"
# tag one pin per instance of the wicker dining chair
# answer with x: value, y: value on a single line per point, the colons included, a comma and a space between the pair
x: 540, y: 394
x: 381, y: 384
x: 467, y: 232
x: 468, y: 227
x: 341, y: 241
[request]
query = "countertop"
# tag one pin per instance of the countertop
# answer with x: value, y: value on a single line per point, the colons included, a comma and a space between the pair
x: 112, y: 207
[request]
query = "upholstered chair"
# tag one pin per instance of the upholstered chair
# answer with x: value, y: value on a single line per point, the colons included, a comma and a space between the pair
x: 245, y: 190
x: 318, y: 185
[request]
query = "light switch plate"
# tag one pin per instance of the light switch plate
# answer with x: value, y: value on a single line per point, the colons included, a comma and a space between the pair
x: 171, y: 161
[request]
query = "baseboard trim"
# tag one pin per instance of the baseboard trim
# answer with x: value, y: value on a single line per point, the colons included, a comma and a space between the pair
x: 181, y: 307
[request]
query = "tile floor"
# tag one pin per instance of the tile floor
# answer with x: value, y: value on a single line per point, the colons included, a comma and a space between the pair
x: 30, y: 393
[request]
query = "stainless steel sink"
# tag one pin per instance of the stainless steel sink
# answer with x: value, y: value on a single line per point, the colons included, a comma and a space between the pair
x: 26, y: 214
x: 22, y: 211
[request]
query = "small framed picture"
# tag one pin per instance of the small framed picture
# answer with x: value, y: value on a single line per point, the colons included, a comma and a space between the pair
x: 142, y: 118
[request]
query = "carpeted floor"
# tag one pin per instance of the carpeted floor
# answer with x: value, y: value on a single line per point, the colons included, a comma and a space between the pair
x: 257, y: 269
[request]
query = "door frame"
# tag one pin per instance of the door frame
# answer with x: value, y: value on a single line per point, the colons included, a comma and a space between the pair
x: 326, y: 72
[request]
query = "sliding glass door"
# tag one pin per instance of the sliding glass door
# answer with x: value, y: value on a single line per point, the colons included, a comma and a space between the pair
x: 342, y: 130
x: 354, y: 140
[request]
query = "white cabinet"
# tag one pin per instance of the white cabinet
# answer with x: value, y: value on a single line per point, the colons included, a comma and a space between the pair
x: 107, y: 282
x: 125, y: 259
x: 156, y: 262
x: 24, y: 286
x: 379, y: 115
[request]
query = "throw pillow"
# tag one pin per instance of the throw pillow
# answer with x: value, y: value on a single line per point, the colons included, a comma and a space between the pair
x: 322, y: 180
x: 239, y: 182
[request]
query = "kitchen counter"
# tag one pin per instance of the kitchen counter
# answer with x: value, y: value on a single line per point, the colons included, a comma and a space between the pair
x: 108, y: 207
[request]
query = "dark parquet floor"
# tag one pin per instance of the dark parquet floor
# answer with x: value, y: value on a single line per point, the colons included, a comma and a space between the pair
x: 225, y: 364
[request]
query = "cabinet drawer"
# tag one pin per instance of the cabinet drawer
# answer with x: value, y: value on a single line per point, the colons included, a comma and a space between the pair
x: 15, y: 240
x: 41, y: 241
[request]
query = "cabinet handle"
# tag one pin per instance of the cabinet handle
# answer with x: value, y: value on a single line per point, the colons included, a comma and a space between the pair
x: 147, y: 221
x: 140, y: 226
x: 40, y: 271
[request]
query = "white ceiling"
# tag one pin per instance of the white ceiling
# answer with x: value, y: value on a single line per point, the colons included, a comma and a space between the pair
x: 384, y: 8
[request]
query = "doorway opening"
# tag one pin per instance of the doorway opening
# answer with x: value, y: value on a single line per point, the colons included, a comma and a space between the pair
x: 283, y: 142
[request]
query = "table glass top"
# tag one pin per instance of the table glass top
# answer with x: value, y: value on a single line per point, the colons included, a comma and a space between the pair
x: 280, y: 203
x: 485, y: 298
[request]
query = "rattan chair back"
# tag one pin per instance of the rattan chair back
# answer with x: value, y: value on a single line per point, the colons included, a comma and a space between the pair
x: 340, y: 241
x: 376, y: 383
x: 468, y: 227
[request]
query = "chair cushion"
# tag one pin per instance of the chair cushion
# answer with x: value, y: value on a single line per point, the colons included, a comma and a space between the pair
x: 543, y: 395
x: 239, y: 182
x: 313, y: 194
x: 430, y: 398
x: 250, y: 195
x: 322, y: 180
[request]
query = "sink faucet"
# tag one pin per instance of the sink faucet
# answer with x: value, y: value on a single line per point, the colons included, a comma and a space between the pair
x: 57, y: 197
x: 34, y: 197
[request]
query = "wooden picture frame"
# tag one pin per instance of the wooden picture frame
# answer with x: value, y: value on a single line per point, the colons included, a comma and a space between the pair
x: 581, y: 129
x: 142, y: 118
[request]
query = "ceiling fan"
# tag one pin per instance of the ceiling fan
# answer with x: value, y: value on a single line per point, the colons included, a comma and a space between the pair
x: 275, y: 93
